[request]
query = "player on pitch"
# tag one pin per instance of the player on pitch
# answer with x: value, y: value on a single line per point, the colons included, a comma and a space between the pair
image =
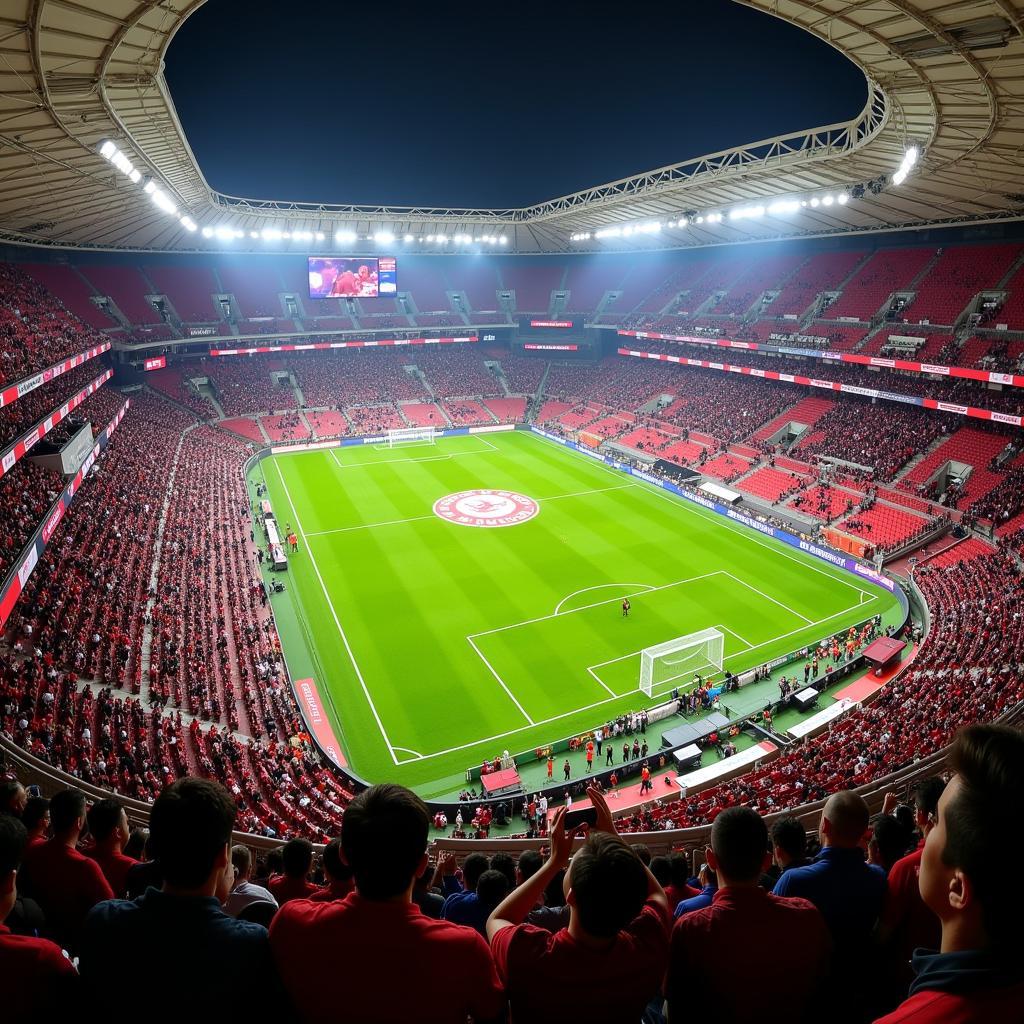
x: 625, y: 607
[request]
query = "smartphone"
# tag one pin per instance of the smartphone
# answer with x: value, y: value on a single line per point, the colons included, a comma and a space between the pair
x: 583, y: 816
x: 33, y: 790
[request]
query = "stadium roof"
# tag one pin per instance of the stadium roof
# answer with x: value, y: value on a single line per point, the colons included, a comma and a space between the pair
x: 946, y: 77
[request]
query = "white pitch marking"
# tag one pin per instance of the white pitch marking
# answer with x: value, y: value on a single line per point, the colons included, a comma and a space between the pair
x: 644, y: 587
x: 768, y: 597
x: 608, y: 700
x: 337, y: 621
x: 396, y: 462
x: 596, y: 604
x: 416, y: 755
x: 501, y: 682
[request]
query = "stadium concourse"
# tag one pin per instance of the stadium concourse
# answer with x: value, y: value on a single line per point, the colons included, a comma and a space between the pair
x: 140, y: 649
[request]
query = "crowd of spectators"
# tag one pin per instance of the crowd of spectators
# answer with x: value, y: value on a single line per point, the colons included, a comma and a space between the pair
x: 832, y: 921
x: 35, y: 329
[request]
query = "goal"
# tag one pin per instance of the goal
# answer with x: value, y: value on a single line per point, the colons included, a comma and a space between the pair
x: 411, y: 435
x: 665, y: 665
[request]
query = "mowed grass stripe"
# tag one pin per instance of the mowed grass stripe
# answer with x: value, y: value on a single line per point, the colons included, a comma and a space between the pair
x: 408, y: 594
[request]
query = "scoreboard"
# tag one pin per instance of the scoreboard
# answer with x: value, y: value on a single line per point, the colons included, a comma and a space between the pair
x: 554, y: 337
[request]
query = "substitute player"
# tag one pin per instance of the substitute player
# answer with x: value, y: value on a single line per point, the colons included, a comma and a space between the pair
x: 625, y: 607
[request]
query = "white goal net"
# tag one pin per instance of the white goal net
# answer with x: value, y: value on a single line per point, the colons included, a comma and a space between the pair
x: 411, y: 435
x: 669, y: 664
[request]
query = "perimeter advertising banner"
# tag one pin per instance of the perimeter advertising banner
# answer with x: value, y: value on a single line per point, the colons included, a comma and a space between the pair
x: 12, y: 587
x: 321, y: 346
x: 24, y: 444
x: 851, y: 565
x: 832, y: 385
x: 966, y: 372
x: 13, y: 392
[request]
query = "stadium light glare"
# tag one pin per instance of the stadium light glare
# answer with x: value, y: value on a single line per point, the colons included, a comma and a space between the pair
x: 164, y: 202
x: 827, y: 201
x: 207, y: 232
x: 224, y: 233
x: 345, y: 235
x: 441, y: 239
x: 684, y: 221
x: 383, y: 237
x: 254, y: 234
x: 319, y: 236
x: 843, y: 199
x: 150, y: 187
x: 188, y: 223
x: 135, y: 175
x: 107, y: 149
x: 503, y: 240
x: 408, y: 238
x: 815, y: 202
x: 899, y: 177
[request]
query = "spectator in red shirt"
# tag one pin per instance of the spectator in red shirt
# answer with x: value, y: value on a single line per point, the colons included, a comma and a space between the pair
x: 906, y: 923
x: 339, y: 875
x: 388, y: 960
x: 109, y: 826
x: 294, y: 884
x: 791, y: 940
x: 36, y: 819
x: 617, y: 935
x: 968, y: 878
x: 37, y: 978
x: 66, y: 884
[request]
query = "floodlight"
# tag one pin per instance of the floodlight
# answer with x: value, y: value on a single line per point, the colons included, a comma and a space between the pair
x: 384, y: 237
x: 345, y: 235
x: 107, y: 149
x: 150, y: 187
x: 136, y: 175
x: 207, y: 232
x: 843, y: 199
x: 827, y: 201
x: 503, y: 240
x: 163, y: 201
x: 188, y: 223
x: 319, y: 236
x: 899, y: 177
x: 815, y: 201
x: 408, y: 238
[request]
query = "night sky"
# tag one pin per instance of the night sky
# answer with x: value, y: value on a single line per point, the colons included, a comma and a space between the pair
x: 467, y: 104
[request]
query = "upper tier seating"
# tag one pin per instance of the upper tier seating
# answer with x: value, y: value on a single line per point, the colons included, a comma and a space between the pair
x: 889, y: 270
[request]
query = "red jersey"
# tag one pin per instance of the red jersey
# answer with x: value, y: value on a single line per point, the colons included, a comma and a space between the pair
x: 548, y: 974
x: 334, y: 891
x: 66, y: 884
x: 702, y: 964
x: 980, y: 1007
x: 905, y: 915
x: 284, y: 889
x: 439, y: 972
x: 37, y: 978
x: 115, y: 867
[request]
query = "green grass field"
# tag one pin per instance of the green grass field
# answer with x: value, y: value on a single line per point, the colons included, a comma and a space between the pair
x: 435, y: 644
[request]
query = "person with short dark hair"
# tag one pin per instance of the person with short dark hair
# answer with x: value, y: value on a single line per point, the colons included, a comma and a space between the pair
x: 339, y: 875
x: 65, y: 883
x: 244, y: 892
x: 529, y: 863
x: 438, y: 971
x: 293, y: 883
x: 889, y: 841
x: 37, y: 979
x: 617, y: 937
x: 847, y: 891
x: 507, y: 866
x: 679, y: 887
x: 968, y: 878
x: 13, y: 797
x: 181, y: 928
x: 36, y: 819
x: 109, y: 826
x: 789, y: 936
x: 789, y: 849
x: 463, y: 905
x: 906, y: 922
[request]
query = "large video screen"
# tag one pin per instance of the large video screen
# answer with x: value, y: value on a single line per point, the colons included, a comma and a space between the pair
x: 352, y: 277
x: 540, y: 326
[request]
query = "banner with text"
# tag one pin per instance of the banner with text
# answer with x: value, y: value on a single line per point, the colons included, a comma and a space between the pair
x: 12, y: 392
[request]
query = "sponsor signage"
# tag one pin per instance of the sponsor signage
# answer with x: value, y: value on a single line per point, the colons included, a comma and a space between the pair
x: 321, y: 346
x: 21, y: 388
x: 23, y: 445
x: 312, y: 711
x: 965, y: 372
x: 835, y: 558
x: 156, y: 363
x: 888, y: 396
x: 11, y: 588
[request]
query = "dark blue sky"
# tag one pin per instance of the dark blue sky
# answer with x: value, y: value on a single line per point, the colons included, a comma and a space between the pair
x: 466, y: 104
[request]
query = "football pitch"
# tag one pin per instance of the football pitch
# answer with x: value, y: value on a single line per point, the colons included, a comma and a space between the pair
x: 438, y: 638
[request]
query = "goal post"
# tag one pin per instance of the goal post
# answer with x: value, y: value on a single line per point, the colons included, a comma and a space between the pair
x: 665, y: 665
x: 411, y: 435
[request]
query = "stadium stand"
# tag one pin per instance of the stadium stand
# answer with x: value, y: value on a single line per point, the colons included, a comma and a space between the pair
x: 888, y: 271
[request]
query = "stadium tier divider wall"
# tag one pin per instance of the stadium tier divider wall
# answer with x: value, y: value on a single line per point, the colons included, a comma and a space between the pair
x: 19, y: 575
x: 307, y: 696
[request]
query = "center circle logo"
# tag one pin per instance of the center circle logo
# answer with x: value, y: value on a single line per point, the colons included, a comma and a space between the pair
x: 486, y: 508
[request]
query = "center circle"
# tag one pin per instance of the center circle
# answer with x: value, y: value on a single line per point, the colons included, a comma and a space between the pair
x: 487, y: 508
